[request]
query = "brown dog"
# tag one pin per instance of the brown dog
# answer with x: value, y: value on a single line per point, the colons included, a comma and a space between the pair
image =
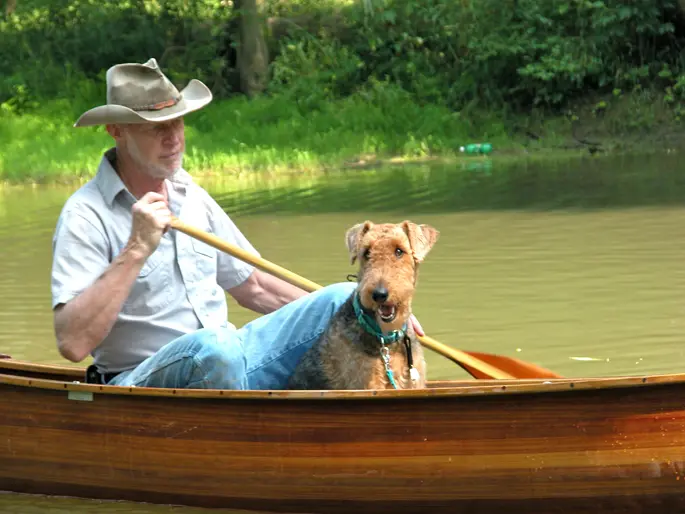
x: 370, y: 343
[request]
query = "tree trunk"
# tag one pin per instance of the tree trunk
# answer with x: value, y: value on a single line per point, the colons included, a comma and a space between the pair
x: 252, y: 52
x: 10, y: 6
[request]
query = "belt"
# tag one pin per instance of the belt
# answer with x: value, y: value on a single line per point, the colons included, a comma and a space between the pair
x: 93, y: 376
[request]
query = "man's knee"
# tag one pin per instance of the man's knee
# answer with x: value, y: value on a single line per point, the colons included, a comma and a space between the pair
x: 219, y: 359
x: 337, y: 294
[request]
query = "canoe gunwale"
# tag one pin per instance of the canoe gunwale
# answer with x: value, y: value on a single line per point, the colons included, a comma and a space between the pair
x: 462, y: 388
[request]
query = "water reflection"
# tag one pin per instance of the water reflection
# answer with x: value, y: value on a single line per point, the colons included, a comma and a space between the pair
x: 588, y: 183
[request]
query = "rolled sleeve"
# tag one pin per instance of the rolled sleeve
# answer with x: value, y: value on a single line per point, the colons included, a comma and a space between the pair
x: 80, y: 256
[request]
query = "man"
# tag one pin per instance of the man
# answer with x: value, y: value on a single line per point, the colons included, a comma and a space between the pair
x: 148, y: 302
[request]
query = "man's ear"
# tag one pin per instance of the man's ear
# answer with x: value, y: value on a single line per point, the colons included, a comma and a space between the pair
x: 421, y: 238
x: 353, y: 237
x: 115, y: 130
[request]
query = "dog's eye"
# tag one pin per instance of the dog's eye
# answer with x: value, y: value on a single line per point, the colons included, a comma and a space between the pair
x: 367, y: 253
x: 399, y: 252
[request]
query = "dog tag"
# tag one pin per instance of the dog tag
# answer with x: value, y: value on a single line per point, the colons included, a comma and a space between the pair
x: 414, y: 374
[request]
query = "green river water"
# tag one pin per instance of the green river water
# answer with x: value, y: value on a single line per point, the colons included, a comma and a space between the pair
x: 575, y: 265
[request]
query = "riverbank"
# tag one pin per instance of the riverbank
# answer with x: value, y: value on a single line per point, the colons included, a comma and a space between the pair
x: 236, y: 136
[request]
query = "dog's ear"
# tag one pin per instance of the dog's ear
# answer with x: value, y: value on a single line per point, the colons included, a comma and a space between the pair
x: 353, y: 236
x: 421, y: 238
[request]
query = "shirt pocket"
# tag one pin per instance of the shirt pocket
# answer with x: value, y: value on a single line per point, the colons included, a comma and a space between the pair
x: 151, y: 264
x: 205, y: 258
x: 204, y: 249
x: 152, y: 290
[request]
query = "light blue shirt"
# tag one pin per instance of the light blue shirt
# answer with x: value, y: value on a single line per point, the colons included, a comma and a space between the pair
x: 180, y: 287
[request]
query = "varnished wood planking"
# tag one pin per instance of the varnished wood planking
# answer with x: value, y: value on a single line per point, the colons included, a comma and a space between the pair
x: 523, y: 418
x: 410, y: 459
x: 636, y: 503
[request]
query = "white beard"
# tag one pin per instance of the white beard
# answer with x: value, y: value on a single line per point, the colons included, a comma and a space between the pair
x: 151, y: 169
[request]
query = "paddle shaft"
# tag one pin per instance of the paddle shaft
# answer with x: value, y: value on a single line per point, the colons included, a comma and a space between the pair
x: 453, y: 354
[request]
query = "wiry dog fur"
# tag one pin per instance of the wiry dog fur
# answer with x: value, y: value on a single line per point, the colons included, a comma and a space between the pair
x: 346, y: 356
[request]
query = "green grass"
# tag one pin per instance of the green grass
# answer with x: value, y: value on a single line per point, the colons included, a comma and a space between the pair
x: 235, y: 137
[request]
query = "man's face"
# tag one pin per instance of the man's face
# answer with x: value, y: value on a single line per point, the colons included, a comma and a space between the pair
x: 157, y: 148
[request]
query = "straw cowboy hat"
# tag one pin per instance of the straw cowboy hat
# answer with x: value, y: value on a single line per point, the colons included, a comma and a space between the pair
x: 141, y: 93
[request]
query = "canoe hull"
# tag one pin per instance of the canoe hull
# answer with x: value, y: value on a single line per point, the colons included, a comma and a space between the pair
x: 567, y: 450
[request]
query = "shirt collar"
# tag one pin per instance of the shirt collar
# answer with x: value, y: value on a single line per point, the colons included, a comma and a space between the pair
x: 107, y: 179
x: 110, y: 184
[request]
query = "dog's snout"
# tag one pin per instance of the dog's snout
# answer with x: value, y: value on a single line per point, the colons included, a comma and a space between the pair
x: 380, y: 294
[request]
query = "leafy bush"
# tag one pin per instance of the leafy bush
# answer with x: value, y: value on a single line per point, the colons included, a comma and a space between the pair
x: 56, y: 45
x: 496, y: 54
x: 493, y: 52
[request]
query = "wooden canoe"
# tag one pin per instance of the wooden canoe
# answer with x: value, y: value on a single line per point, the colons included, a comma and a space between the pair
x: 519, y: 446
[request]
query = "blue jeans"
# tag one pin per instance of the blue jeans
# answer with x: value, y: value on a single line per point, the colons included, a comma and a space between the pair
x: 260, y: 355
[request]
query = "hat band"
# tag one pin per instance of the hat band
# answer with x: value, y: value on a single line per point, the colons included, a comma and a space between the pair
x: 158, y: 106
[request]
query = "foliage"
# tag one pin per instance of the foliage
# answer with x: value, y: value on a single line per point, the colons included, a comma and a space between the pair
x: 311, y: 72
x: 236, y: 135
x: 495, y: 52
x: 54, y: 48
x: 507, y: 56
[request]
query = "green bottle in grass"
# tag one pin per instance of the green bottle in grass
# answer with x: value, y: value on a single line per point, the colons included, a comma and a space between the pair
x: 476, y: 148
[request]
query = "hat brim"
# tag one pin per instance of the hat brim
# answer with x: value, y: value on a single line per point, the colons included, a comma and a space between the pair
x: 194, y: 97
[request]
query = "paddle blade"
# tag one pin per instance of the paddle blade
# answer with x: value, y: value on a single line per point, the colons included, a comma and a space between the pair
x: 513, y: 366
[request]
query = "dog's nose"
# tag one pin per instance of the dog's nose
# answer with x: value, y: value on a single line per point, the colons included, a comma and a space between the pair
x: 380, y: 294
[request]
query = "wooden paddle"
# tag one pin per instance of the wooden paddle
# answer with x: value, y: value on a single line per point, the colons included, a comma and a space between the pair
x: 478, y: 364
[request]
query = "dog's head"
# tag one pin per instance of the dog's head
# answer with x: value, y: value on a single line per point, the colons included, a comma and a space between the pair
x: 389, y: 255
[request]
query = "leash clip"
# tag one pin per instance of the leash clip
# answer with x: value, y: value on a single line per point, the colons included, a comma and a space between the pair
x: 413, y: 372
x: 385, y: 355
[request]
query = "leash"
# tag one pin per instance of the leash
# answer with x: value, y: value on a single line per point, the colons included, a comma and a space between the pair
x: 369, y: 324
